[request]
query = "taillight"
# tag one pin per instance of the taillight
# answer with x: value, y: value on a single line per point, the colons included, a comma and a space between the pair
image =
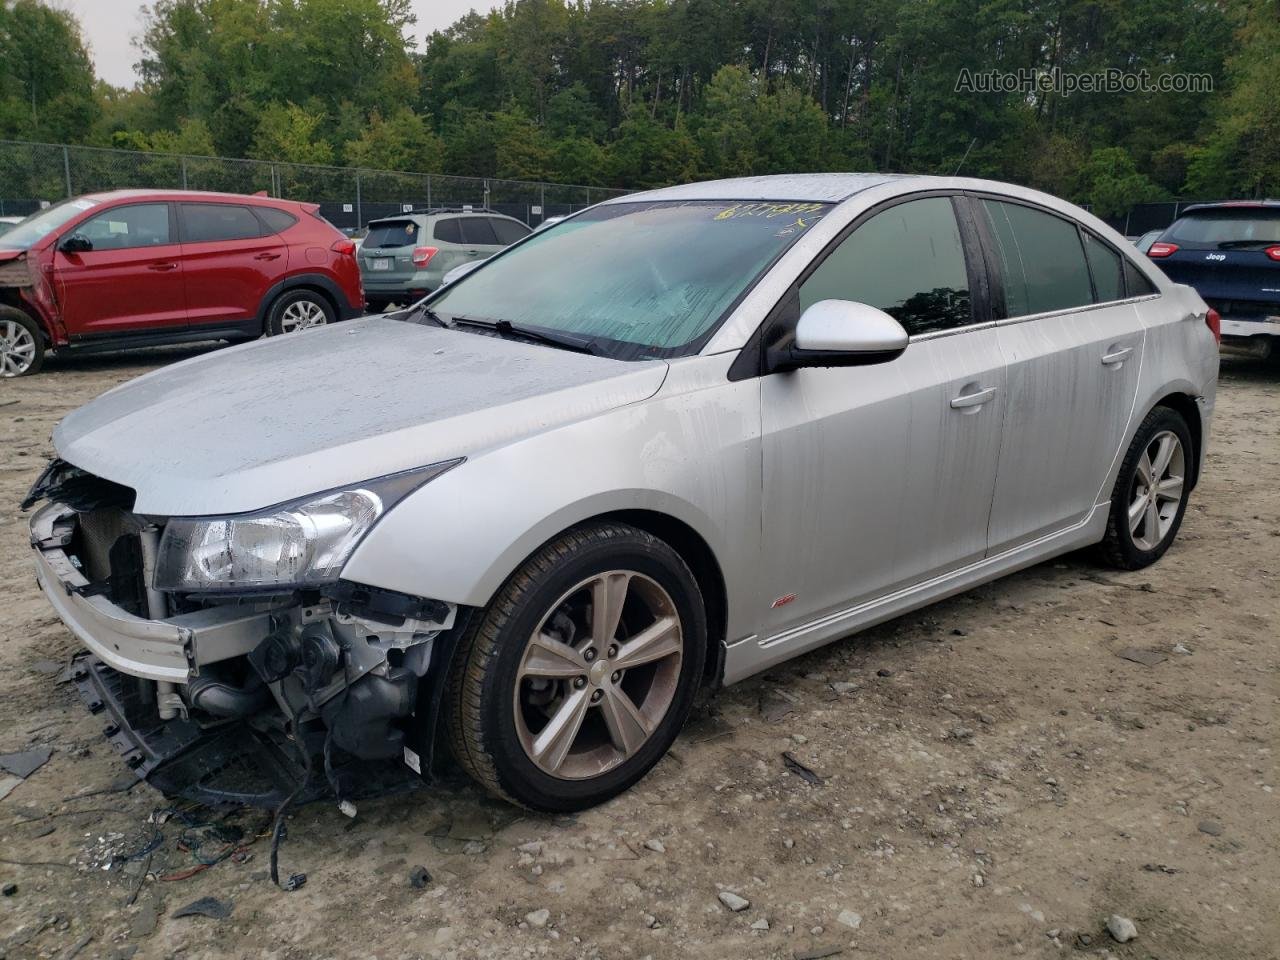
x: 1273, y: 252
x: 345, y: 246
x: 1213, y: 320
x: 422, y: 255
x: 1159, y: 251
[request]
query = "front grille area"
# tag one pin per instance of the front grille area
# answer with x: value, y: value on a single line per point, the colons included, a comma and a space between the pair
x: 109, y: 549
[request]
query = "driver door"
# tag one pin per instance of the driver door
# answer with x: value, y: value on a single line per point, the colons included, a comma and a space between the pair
x: 880, y: 477
x: 130, y: 281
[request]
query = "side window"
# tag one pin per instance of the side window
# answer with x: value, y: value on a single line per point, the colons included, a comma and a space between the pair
x: 908, y: 261
x: 1135, y: 282
x: 477, y: 230
x: 1105, y: 265
x: 1041, y: 259
x: 277, y: 221
x: 508, y: 231
x: 123, y: 228
x: 449, y: 231
x: 205, y: 222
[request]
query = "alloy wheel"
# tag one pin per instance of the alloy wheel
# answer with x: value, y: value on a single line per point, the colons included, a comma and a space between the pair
x: 302, y: 315
x: 598, y: 675
x: 1158, y: 486
x: 17, y: 349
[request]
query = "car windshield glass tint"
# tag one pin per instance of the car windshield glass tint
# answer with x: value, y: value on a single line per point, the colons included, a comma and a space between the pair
x: 39, y: 225
x: 641, y: 279
x: 391, y: 233
x: 1226, y: 228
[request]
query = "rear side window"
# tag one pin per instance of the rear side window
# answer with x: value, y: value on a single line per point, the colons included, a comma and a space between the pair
x: 205, y: 222
x: 276, y: 221
x: 478, y: 230
x: 1105, y: 265
x: 388, y: 234
x: 908, y: 261
x: 508, y: 231
x: 449, y: 231
x: 1226, y: 228
x: 123, y: 228
x: 1041, y: 259
x: 1135, y: 282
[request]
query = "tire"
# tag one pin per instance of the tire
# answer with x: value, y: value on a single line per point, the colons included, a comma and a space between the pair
x: 296, y: 310
x: 1132, y: 545
x: 21, y: 344
x: 498, y: 714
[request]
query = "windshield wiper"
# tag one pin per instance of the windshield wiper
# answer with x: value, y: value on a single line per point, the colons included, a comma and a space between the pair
x: 425, y: 311
x: 1242, y: 244
x: 505, y: 328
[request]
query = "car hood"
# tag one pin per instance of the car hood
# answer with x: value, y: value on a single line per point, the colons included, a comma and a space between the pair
x: 260, y: 424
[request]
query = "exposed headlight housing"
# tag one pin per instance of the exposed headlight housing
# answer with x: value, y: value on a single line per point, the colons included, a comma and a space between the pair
x: 304, y: 543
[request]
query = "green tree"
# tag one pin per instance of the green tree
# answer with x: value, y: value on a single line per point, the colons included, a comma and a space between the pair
x: 290, y: 133
x: 46, y: 78
x: 403, y: 141
x: 1112, y: 183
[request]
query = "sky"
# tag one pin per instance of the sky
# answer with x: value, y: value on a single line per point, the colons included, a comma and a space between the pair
x: 110, y: 26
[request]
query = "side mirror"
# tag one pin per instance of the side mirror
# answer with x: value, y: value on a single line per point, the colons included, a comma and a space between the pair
x: 841, y: 333
x: 76, y: 243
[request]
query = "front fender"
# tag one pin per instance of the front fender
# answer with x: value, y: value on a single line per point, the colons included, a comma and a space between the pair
x: 460, y: 536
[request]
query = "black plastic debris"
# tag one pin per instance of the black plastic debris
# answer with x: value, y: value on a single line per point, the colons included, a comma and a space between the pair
x: 419, y: 877
x: 9, y: 889
x: 210, y: 907
x: 296, y: 881
x: 800, y: 770
x: 25, y: 763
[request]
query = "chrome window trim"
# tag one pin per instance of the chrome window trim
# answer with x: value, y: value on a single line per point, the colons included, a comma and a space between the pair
x: 1009, y: 321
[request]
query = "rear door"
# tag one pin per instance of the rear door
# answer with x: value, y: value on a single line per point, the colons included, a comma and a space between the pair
x: 508, y: 231
x: 131, y: 279
x: 1073, y: 341
x: 230, y: 260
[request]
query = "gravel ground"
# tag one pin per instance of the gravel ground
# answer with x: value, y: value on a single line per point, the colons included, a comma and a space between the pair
x: 992, y: 780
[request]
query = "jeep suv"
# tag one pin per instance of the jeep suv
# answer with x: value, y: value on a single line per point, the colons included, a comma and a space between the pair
x: 1230, y: 253
x: 136, y: 268
x: 404, y: 258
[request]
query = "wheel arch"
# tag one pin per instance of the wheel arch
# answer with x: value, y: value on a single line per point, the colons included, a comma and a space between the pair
x: 314, y: 282
x: 1185, y: 406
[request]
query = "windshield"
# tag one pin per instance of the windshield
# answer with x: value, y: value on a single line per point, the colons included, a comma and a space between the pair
x: 1225, y: 228
x: 39, y: 225
x: 644, y: 279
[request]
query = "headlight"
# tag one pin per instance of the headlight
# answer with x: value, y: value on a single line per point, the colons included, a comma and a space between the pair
x: 304, y: 543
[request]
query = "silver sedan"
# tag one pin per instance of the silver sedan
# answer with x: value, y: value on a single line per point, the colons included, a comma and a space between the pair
x: 682, y: 437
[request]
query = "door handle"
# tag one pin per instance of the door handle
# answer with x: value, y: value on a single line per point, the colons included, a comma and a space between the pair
x: 163, y: 266
x: 1116, y: 357
x: 975, y: 399
x: 267, y: 256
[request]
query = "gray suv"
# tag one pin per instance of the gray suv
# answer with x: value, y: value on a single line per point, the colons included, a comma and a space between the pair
x: 403, y: 258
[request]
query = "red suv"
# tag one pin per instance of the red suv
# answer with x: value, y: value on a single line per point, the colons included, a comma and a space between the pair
x: 143, y: 267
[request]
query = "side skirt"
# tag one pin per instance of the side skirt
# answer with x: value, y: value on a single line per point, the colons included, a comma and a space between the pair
x: 754, y: 654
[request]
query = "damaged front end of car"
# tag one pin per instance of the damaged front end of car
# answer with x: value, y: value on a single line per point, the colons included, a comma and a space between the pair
x: 230, y: 660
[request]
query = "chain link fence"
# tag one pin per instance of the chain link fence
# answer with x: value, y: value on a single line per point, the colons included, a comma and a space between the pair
x: 33, y: 175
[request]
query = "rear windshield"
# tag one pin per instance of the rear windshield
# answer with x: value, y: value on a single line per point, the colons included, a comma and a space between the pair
x: 1226, y: 229
x: 391, y: 233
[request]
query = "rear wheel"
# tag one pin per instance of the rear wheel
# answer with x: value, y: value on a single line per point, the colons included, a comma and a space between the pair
x: 21, y: 344
x: 298, y: 310
x: 1150, y: 495
x: 576, y: 679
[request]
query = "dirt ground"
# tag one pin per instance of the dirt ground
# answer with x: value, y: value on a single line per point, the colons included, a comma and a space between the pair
x: 995, y: 780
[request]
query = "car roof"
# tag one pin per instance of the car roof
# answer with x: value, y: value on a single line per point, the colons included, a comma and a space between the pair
x: 443, y: 214
x: 812, y: 187
x: 109, y: 195
x: 1231, y: 205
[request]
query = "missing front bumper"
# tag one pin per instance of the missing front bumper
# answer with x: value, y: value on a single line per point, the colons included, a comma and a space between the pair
x: 226, y: 763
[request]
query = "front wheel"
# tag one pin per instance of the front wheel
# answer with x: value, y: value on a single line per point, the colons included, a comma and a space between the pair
x: 298, y: 310
x: 576, y: 679
x: 1150, y: 494
x: 21, y: 344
